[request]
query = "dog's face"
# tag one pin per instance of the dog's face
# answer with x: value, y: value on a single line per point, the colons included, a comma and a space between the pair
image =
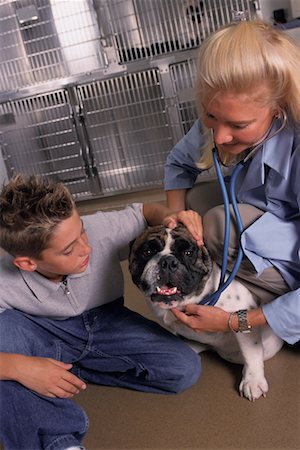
x: 168, y: 266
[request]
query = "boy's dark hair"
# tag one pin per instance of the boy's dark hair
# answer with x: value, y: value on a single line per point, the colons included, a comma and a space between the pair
x: 30, y: 210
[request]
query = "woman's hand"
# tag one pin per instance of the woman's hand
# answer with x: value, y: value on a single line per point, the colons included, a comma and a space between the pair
x: 191, y: 220
x: 47, y: 376
x: 156, y: 214
x: 213, y: 319
x: 202, y: 318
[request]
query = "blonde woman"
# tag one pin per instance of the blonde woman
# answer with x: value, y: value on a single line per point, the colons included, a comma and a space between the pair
x: 248, y: 91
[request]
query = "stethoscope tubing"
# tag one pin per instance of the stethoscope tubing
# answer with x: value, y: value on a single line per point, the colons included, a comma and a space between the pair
x: 212, y: 299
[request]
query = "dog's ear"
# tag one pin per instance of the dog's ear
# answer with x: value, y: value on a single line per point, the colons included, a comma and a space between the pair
x: 204, y: 260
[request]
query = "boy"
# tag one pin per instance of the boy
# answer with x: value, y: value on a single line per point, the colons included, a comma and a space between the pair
x: 63, y: 323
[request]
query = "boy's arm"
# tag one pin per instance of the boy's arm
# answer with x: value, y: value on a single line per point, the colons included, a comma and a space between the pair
x: 46, y: 376
x: 156, y: 214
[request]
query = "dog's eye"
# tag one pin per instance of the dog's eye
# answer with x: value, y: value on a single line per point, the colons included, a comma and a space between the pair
x: 188, y: 253
x: 150, y: 248
x: 147, y: 252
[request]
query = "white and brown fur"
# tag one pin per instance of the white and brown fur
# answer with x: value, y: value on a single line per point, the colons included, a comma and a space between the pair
x: 172, y: 271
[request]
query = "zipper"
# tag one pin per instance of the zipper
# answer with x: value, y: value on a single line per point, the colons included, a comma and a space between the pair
x: 66, y: 289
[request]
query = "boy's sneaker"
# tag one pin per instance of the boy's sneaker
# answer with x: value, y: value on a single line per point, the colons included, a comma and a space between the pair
x: 75, y: 448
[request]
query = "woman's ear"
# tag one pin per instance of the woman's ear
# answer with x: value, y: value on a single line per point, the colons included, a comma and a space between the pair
x: 278, y: 112
x: 25, y: 263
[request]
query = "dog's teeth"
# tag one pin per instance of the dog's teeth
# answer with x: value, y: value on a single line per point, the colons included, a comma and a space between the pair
x: 166, y: 291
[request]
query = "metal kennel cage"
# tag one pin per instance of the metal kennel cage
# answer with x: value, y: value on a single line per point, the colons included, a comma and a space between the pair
x: 96, y: 92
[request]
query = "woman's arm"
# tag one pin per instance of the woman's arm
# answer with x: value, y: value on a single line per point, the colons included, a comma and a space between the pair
x: 176, y: 199
x: 281, y: 314
x: 181, y: 168
x: 213, y: 319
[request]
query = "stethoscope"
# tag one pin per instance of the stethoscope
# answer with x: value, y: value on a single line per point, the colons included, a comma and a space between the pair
x: 212, y: 299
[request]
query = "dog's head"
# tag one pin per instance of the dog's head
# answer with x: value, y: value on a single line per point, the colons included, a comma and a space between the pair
x: 168, y: 266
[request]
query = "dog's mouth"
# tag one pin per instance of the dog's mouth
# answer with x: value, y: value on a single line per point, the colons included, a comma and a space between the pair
x: 166, y: 296
x: 165, y: 290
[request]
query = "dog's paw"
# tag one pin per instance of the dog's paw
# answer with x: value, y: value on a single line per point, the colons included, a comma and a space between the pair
x: 253, y: 388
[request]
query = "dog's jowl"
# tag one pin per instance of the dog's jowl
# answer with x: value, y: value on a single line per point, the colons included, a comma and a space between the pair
x: 172, y: 271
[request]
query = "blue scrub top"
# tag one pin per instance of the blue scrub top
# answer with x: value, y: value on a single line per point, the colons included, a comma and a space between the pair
x: 270, y: 181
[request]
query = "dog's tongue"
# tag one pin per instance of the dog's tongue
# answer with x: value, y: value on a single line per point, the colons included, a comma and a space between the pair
x: 165, y: 290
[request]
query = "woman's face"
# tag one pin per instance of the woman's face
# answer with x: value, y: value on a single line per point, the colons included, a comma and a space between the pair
x: 238, y: 122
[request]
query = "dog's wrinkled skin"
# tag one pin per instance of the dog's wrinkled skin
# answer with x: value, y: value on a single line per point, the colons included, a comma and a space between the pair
x: 172, y: 271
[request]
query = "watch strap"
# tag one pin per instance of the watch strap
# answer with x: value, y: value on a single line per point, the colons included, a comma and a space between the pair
x: 244, y: 326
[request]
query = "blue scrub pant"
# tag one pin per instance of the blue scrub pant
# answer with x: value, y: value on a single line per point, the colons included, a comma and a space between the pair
x: 109, y: 345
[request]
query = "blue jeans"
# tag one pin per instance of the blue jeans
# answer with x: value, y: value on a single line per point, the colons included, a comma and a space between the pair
x: 108, y: 345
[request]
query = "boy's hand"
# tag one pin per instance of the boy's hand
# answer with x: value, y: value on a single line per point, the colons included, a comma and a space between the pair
x: 47, y: 376
x: 191, y: 220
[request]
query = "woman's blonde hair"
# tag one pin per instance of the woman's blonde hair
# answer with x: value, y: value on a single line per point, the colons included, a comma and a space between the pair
x: 241, y: 57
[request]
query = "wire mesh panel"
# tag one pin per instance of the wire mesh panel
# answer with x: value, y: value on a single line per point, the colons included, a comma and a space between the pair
x: 39, y: 137
x: 147, y: 28
x: 42, y: 40
x: 129, y: 130
x: 183, y: 77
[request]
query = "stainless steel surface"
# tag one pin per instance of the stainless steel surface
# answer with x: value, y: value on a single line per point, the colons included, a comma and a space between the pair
x: 63, y: 41
x: 96, y: 92
x: 183, y: 75
x: 39, y: 137
x: 129, y: 130
x: 147, y: 28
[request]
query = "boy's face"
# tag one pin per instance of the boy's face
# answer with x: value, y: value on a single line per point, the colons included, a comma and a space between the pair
x: 68, y: 252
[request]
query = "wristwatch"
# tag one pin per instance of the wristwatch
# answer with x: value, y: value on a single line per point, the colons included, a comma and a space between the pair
x: 244, y: 326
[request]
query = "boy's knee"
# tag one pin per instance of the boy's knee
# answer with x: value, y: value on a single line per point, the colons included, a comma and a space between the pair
x: 188, y: 371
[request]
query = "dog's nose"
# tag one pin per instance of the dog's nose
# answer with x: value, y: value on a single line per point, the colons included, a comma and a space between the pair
x: 169, y: 263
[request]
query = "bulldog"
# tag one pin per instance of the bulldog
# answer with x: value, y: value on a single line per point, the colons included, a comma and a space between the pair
x: 172, y: 271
